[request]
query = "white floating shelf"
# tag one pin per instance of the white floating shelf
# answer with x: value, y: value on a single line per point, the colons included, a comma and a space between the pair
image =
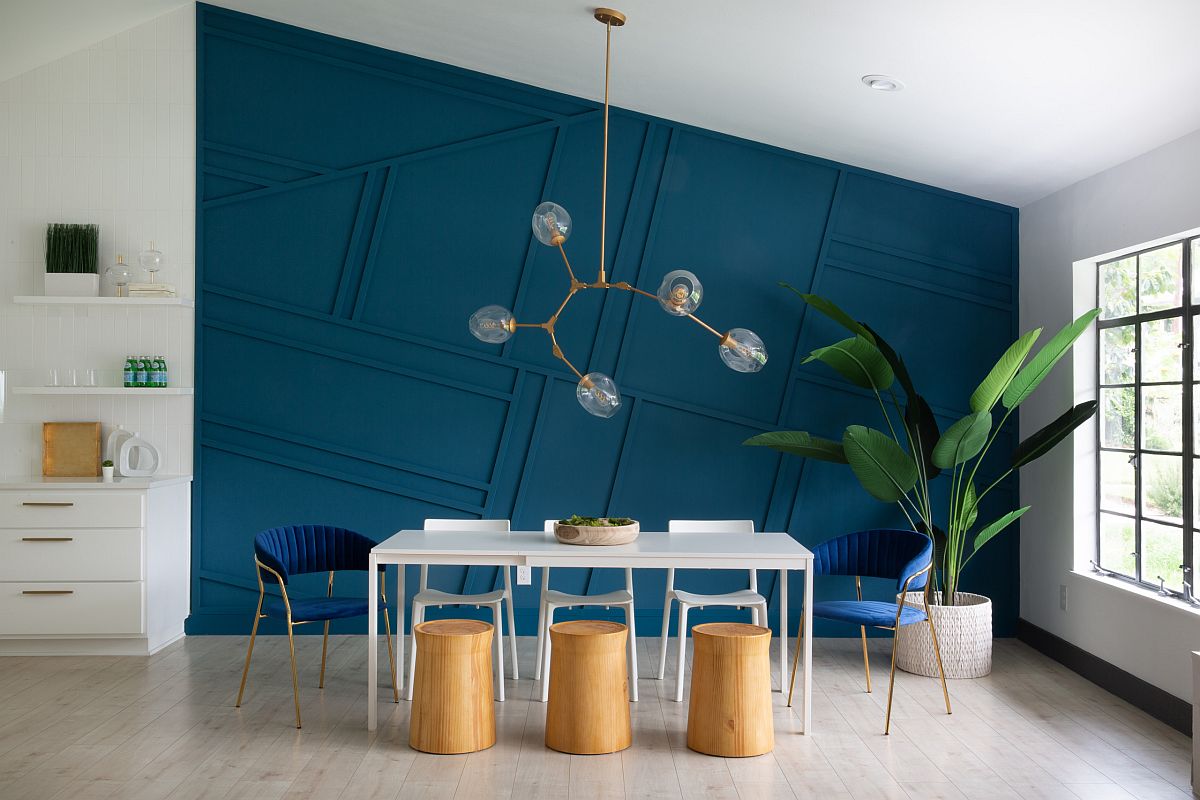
x: 40, y: 300
x: 122, y: 390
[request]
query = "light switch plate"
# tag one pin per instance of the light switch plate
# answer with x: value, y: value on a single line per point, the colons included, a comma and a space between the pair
x: 524, y: 576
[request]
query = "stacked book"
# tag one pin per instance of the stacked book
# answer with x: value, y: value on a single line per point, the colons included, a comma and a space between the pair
x: 151, y: 290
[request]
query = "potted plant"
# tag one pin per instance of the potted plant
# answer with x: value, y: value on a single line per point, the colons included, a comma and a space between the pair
x: 897, y: 464
x: 106, y: 468
x: 71, y: 260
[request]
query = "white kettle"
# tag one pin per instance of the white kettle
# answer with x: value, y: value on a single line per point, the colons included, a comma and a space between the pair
x: 138, y: 458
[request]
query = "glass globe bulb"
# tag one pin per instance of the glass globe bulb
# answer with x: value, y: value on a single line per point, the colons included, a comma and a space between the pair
x: 118, y: 275
x: 151, y: 261
x: 743, y: 351
x: 551, y: 224
x: 492, y: 324
x: 680, y: 293
x: 598, y: 394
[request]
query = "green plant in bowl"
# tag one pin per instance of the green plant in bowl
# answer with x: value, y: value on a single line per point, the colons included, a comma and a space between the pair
x: 596, y: 522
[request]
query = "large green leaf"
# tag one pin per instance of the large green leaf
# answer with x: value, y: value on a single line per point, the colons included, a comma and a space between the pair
x: 986, y: 396
x: 1039, y: 366
x: 970, y: 507
x: 985, y: 535
x: 923, y: 428
x: 800, y: 443
x: 894, y: 361
x: 831, y: 310
x: 858, y: 361
x: 1042, y: 442
x: 963, y: 440
x: 881, y: 466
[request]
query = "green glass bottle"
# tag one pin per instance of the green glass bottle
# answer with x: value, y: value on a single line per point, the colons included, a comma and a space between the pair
x: 130, y: 376
x: 143, y: 372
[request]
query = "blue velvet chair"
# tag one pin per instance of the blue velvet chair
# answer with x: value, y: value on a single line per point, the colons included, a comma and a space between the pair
x: 297, y: 550
x: 903, y: 556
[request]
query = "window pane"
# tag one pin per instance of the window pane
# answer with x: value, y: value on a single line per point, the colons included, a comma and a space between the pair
x: 1160, y: 353
x: 1116, y: 354
x: 1116, y: 288
x: 1195, y: 349
x: 1195, y: 420
x: 1116, y: 482
x: 1117, y: 545
x: 1162, y: 418
x: 1116, y: 422
x: 1195, y: 262
x: 1162, y: 554
x: 1161, y: 278
x: 1162, y: 487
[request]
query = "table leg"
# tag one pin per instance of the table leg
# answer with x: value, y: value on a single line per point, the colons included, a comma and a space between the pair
x: 807, y: 644
x: 372, y: 639
x: 783, y: 630
x: 401, y: 607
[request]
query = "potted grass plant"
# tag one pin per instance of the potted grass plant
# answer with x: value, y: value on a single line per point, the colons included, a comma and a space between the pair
x: 897, y: 463
x: 71, y: 260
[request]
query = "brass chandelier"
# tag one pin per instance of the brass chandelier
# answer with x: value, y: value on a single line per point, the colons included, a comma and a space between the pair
x: 679, y: 294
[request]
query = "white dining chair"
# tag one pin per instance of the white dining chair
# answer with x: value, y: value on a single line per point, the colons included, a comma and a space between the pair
x: 551, y: 600
x: 426, y: 597
x: 740, y: 599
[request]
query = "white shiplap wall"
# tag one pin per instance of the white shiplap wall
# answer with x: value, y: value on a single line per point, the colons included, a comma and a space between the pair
x: 105, y: 135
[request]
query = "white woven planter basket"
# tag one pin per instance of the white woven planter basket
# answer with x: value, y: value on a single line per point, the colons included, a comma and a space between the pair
x: 964, y: 633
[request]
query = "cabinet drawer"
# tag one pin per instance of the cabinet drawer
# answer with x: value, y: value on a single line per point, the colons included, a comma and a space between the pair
x: 95, y: 509
x: 37, y: 609
x: 99, y: 554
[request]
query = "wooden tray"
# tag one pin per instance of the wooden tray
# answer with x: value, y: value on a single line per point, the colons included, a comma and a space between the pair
x: 71, y: 449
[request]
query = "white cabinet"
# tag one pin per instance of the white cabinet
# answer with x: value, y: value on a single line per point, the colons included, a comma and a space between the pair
x: 88, y: 567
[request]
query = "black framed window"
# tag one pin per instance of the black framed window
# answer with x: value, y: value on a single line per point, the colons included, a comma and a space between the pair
x: 1147, y: 431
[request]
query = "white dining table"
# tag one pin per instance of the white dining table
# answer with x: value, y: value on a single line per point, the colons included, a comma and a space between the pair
x: 761, y: 551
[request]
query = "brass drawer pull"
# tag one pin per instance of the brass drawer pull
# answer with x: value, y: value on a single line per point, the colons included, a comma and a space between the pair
x: 47, y: 538
x: 48, y: 591
x: 58, y: 504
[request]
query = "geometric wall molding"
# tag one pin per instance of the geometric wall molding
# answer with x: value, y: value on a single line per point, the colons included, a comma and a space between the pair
x: 355, y: 205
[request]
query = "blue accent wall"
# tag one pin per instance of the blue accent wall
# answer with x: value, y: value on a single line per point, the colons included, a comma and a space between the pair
x: 355, y: 205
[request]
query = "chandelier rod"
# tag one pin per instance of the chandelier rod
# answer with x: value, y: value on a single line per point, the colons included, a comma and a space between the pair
x: 604, y: 168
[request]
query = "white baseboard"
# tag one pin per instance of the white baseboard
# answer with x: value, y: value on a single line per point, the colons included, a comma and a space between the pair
x: 83, y: 646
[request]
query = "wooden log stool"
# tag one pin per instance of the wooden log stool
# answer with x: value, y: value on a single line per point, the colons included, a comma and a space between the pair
x: 588, y: 711
x: 729, y: 709
x: 452, y: 709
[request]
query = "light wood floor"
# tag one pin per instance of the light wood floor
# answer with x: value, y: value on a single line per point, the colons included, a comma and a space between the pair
x: 165, y: 727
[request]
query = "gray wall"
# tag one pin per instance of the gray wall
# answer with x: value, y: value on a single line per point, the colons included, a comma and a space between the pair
x: 1153, y: 196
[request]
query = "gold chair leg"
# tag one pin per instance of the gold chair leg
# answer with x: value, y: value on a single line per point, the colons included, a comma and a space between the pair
x: 249, y: 650
x: 866, y: 661
x: 324, y: 647
x: 796, y: 658
x: 295, y: 678
x: 325, y: 641
x: 937, y: 652
x: 887, y: 722
x: 387, y: 626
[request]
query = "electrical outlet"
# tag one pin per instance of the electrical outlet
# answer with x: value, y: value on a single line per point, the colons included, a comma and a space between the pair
x: 1062, y: 596
x: 524, y: 576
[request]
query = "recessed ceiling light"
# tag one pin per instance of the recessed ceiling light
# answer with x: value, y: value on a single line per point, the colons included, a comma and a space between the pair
x: 882, y: 83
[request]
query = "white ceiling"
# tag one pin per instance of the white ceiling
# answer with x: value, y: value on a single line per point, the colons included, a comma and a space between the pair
x: 1006, y: 99
x: 36, y: 32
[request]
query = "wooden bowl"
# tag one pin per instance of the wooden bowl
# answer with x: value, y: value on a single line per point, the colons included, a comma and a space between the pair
x: 596, y: 535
